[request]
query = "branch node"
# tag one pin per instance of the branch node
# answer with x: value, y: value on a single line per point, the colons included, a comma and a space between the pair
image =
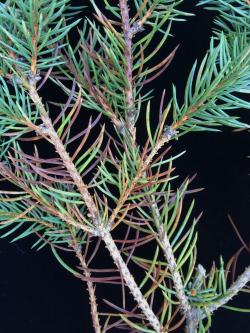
x: 33, y: 78
x: 170, y: 133
x: 136, y: 27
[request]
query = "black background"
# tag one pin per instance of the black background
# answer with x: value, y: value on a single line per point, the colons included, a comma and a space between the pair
x: 39, y: 296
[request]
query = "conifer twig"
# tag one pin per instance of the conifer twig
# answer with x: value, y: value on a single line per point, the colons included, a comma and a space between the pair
x: 49, y: 129
x: 140, y: 173
x: 168, y: 252
x: 177, y: 280
x: 90, y: 285
x: 233, y: 290
x: 129, y: 279
x: 11, y: 177
x: 131, y: 182
x: 101, y: 230
x: 124, y: 8
x: 175, y: 275
x: 195, y: 314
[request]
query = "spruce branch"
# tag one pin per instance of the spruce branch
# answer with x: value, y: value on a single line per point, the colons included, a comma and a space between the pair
x: 50, y: 131
x: 131, y: 184
x: 99, y: 228
x: 129, y: 32
x: 222, y: 73
x: 169, y: 133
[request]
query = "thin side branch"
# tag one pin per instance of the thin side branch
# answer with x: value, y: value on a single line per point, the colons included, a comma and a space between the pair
x: 235, y: 288
x: 90, y: 286
x: 64, y: 217
x: 140, y: 173
x: 179, y: 287
x: 128, y: 35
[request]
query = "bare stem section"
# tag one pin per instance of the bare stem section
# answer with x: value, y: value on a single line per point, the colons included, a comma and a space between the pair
x: 129, y: 66
x: 91, y: 291
x: 169, y: 255
x: 192, y: 321
x: 128, y: 278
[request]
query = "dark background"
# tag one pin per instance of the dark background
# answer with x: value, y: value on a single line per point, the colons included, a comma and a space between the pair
x: 37, y: 295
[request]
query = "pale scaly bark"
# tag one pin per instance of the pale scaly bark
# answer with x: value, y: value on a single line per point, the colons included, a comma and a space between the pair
x: 127, y: 32
x: 91, y: 290
x: 235, y: 288
x: 129, y: 279
x: 175, y: 274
